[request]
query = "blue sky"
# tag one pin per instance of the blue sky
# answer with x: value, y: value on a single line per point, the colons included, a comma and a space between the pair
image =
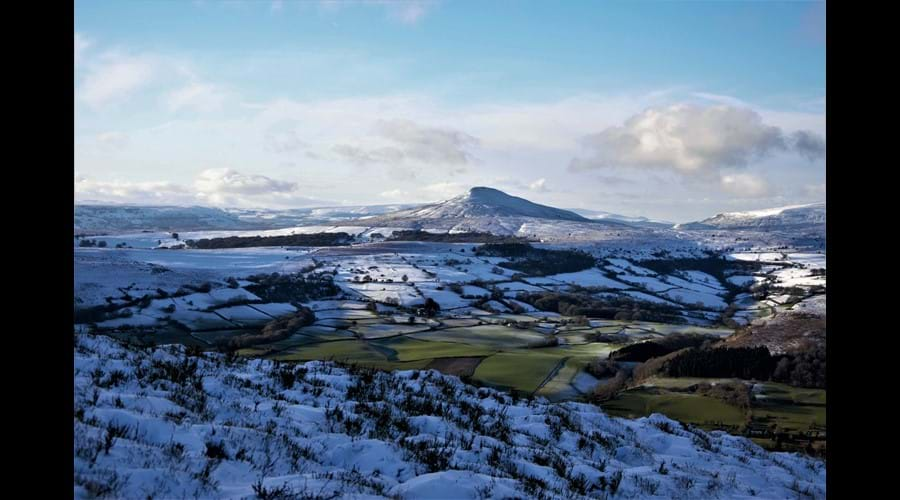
x: 294, y: 103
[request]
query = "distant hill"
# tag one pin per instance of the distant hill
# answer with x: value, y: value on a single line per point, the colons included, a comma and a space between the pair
x: 123, y: 218
x: 117, y: 218
x: 790, y: 218
x: 633, y: 221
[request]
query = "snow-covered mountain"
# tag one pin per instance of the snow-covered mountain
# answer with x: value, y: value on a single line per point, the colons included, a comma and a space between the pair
x: 124, y: 218
x: 484, y: 209
x: 277, y: 219
x: 116, y: 218
x: 795, y: 217
x: 158, y: 423
x: 487, y: 202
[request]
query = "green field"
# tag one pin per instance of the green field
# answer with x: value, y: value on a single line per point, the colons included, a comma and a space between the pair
x: 691, y: 408
x: 560, y: 386
x: 346, y: 350
x: 523, y: 370
x: 790, y: 409
x: 411, y: 349
x: 498, y: 336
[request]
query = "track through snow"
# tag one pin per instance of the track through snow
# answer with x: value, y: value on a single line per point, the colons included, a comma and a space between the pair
x: 159, y: 423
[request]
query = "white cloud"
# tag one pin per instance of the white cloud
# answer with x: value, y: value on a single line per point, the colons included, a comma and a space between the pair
x: 444, y: 190
x: 691, y: 139
x: 815, y: 191
x: 539, y: 186
x: 416, y: 141
x: 283, y: 140
x: 808, y: 145
x: 132, y: 192
x: 81, y: 45
x: 746, y: 186
x: 410, y: 141
x: 410, y: 11
x: 195, y: 96
x: 113, y: 139
x: 115, y: 78
x: 215, y: 187
x: 395, y: 194
x: 228, y: 181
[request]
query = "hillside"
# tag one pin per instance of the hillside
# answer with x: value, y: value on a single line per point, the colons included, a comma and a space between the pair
x: 797, y: 217
x: 124, y: 218
x: 159, y: 423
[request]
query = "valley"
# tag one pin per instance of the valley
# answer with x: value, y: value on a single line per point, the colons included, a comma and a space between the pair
x: 526, y: 318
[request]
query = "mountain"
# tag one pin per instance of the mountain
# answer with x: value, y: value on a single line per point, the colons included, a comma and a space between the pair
x: 281, y: 218
x: 118, y: 218
x: 484, y: 209
x: 633, y: 221
x: 488, y: 202
x: 790, y: 218
x: 94, y: 218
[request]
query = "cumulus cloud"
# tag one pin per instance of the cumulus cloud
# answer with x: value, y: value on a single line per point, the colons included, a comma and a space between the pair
x: 808, y: 145
x: 410, y: 141
x: 132, y: 192
x: 746, y: 186
x: 216, y: 187
x: 539, y: 186
x: 228, y: 181
x: 692, y: 139
x: 362, y: 156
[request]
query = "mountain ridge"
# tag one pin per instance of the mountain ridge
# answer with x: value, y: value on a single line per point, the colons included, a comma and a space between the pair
x: 808, y: 216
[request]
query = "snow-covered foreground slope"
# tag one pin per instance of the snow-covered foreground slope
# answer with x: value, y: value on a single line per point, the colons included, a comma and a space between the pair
x: 162, y: 424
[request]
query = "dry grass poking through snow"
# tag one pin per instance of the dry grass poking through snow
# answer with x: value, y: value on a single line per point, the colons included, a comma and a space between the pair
x: 161, y: 423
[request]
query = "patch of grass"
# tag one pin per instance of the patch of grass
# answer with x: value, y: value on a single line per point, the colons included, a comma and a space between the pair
x: 690, y: 408
x: 346, y: 351
x: 411, y: 349
x: 790, y: 408
x: 497, y: 336
x: 522, y: 370
x: 560, y: 386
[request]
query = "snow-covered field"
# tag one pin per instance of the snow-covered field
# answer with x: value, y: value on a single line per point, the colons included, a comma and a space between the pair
x: 154, y: 423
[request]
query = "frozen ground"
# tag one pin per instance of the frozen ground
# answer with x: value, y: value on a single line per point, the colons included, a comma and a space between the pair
x: 155, y: 423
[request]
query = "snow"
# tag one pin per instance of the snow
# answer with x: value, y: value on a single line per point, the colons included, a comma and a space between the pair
x: 743, y: 281
x: 691, y: 297
x: 589, y: 277
x: 316, y: 437
x: 702, y: 278
x: 276, y: 309
x: 518, y: 286
x: 646, y: 282
x: 649, y: 298
x: 475, y: 291
x: 631, y: 268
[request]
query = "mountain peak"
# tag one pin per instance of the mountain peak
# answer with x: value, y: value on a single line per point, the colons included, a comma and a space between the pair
x: 482, y: 201
x: 485, y: 192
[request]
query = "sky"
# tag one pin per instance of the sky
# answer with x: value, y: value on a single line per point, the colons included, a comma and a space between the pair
x: 674, y: 110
